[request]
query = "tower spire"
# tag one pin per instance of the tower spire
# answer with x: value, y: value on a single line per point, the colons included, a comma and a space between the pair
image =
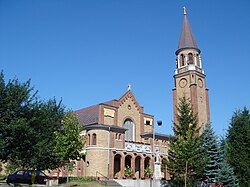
x: 187, y: 39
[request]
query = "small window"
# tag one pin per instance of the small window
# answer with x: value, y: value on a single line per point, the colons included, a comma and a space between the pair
x: 119, y: 136
x: 88, y: 139
x: 147, y: 122
x: 190, y: 58
x: 182, y: 60
x: 198, y: 60
x: 94, y: 139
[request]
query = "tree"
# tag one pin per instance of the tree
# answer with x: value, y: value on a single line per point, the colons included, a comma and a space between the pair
x: 28, y: 127
x: 68, y: 141
x: 16, y: 100
x: 186, y: 158
x: 186, y: 119
x: 238, y: 140
x: 211, y: 148
x: 226, y: 174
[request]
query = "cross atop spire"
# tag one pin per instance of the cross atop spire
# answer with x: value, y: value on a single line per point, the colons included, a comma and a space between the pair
x: 129, y: 87
x: 184, y: 10
x: 187, y: 39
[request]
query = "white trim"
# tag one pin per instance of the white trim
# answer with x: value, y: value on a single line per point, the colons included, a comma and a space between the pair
x: 114, y: 149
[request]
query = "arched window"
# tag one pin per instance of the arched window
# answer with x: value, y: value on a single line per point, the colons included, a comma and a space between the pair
x: 94, y: 139
x: 182, y: 60
x: 119, y: 137
x: 129, y: 134
x: 190, y: 58
x: 88, y: 139
x: 198, y: 60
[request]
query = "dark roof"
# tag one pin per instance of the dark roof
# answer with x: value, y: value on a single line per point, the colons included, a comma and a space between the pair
x: 157, y: 135
x: 187, y: 39
x: 88, y: 115
x: 113, y: 103
x: 113, y: 128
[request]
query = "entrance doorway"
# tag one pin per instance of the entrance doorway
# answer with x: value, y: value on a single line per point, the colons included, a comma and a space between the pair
x: 117, y: 166
x: 138, y: 167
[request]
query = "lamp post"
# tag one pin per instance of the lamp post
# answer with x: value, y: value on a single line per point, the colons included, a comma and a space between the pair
x: 159, y: 123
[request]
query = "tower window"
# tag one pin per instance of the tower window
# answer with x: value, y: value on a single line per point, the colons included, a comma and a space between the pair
x: 198, y: 60
x: 190, y: 58
x: 182, y: 60
x: 94, y: 139
x: 147, y: 122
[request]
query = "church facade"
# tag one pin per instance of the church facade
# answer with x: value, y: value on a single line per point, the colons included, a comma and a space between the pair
x: 119, y: 134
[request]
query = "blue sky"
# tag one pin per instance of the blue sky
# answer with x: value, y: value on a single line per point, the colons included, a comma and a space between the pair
x: 87, y: 52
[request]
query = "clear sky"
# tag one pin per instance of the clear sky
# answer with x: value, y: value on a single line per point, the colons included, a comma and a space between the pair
x: 87, y: 51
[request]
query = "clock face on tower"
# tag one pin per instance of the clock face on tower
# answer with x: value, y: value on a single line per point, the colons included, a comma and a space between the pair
x: 183, y: 82
x: 200, y: 83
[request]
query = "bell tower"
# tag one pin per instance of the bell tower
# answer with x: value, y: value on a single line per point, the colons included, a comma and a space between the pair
x: 189, y: 77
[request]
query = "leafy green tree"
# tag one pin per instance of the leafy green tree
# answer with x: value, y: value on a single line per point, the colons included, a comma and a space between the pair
x: 16, y: 100
x: 28, y: 127
x: 186, y: 158
x: 211, y: 149
x: 68, y: 140
x: 45, y: 120
x: 238, y: 140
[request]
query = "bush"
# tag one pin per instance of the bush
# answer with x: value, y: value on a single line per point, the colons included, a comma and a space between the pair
x: 2, y: 177
x: 128, y: 171
x: 148, y: 171
x: 82, y: 179
x: 76, y: 179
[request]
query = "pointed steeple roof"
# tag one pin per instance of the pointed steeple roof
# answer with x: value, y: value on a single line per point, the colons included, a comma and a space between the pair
x: 187, y: 39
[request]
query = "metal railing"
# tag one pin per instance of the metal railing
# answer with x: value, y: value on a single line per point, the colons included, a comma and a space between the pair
x: 103, y: 178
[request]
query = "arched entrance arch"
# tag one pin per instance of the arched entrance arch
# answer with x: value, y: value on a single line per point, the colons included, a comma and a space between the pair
x: 117, y: 166
x: 138, y: 167
x: 147, y: 162
x: 128, y: 161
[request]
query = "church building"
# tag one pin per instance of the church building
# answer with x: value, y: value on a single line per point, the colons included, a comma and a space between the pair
x: 121, y: 135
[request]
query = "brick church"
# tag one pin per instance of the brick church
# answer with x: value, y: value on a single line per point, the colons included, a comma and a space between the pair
x: 120, y: 134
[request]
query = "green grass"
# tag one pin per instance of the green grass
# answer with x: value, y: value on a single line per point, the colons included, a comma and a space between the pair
x: 85, y: 184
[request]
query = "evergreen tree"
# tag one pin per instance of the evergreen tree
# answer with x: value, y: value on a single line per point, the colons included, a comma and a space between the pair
x: 238, y: 140
x: 226, y: 173
x: 210, y: 147
x: 186, y: 119
x: 186, y: 158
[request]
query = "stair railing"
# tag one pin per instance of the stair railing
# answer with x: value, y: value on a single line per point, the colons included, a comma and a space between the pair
x: 103, y: 176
